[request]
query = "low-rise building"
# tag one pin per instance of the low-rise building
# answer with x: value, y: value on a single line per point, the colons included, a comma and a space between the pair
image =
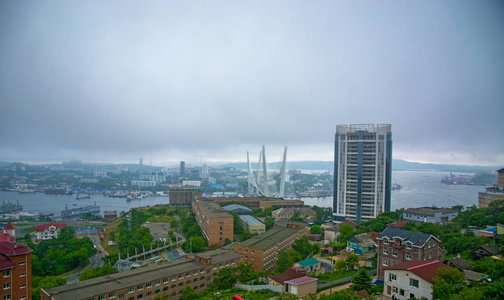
x: 485, y: 250
x: 287, y: 213
x: 411, y: 279
x: 168, y: 279
x: 262, y: 251
x: 252, y: 224
x: 288, y: 274
x: 238, y: 209
x: 429, y: 215
x: 215, y: 222
x: 110, y: 216
x: 48, y: 231
x: 259, y: 202
x: 301, y: 287
x: 360, y: 244
x: 143, y: 183
x: 310, y: 265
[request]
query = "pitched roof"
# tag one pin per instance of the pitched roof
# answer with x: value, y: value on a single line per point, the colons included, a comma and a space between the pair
x: 289, y: 274
x: 6, y: 263
x: 363, y: 240
x: 9, y: 226
x: 460, y: 263
x: 492, y: 249
x: 397, y: 224
x: 41, y: 227
x: 414, y: 237
x: 13, y: 249
x: 423, y: 269
x: 301, y: 280
x: 308, y: 262
x: 473, y: 276
x: 429, y: 211
x: 235, y: 207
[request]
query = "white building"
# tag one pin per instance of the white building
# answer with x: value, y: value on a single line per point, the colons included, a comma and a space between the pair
x: 143, y: 183
x: 100, y: 174
x: 411, y: 279
x: 191, y: 183
x: 48, y: 231
x: 362, y: 171
x: 429, y: 215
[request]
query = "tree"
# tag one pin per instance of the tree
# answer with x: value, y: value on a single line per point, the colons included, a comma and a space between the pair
x: 316, y: 229
x: 362, y: 280
x: 268, y: 211
x: 45, y: 283
x: 346, y: 232
x: 448, y: 282
x: 225, y: 279
x: 302, y: 246
x: 227, y: 241
x: 352, y: 262
x: 284, y: 261
x: 189, y: 293
x: 269, y: 222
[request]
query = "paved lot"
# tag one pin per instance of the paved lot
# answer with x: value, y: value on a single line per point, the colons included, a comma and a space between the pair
x: 159, y: 230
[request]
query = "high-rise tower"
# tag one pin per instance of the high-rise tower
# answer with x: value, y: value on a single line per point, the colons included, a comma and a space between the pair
x: 362, y: 171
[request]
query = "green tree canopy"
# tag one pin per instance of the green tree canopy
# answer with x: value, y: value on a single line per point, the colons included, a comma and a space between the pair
x: 316, y: 229
x: 448, y: 282
x: 362, y: 280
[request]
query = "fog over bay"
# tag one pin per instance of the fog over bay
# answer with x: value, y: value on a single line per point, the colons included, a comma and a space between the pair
x: 112, y: 81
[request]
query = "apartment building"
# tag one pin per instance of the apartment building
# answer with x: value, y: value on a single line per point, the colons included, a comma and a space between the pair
x: 262, y: 251
x: 215, y: 222
x: 183, y: 197
x: 396, y: 246
x: 15, y: 267
x: 146, y: 283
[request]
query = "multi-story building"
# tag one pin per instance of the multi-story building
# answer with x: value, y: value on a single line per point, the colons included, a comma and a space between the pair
x: 262, y: 251
x: 15, y: 267
x: 183, y: 197
x: 48, y: 231
x: 362, y: 171
x: 182, y: 168
x: 110, y: 215
x: 493, y: 193
x: 429, y: 215
x: 100, y: 174
x: 148, y: 282
x: 396, y: 246
x: 215, y: 222
x: 260, y: 202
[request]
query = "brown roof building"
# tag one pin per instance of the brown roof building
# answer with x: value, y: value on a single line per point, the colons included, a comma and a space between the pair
x: 146, y: 283
x: 215, y: 222
x: 262, y: 251
x: 15, y: 267
x: 259, y: 202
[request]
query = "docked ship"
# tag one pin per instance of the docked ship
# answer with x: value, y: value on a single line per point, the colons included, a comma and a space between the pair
x: 77, y: 213
x: 7, y: 208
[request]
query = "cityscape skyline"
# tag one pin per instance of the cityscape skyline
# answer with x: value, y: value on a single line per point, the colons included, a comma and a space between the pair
x: 198, y: 82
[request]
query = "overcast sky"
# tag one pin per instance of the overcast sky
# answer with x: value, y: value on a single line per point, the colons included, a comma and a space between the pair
x: 112, y: 81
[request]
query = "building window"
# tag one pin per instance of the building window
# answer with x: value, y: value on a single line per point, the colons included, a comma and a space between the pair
x: 188, y: 274
x: 395, y: 289
x: 385, y: 262
x: 172, y: 279
x: 102, y: 297
x: 430, y: 254
x: 140, y: 296
x: 6, y: 286
x: 7, y: 297
x: 158, y: 291
x: 392, y: 277
x: 22, y: 274
x: 140, y: 287
x: 413, y: 282
x: 121, y: 296
x: 6, y: 274
x: 148, y: 293
x: 408, y: 256
x: 166, y: 288
x: 408, y: 246
x: 394, y: 252
x: 232, y: 262
x: 181, y: 276
x: 158, y: 282
x: 131, y: 290
x: 22, y: 263
x: 221, y: 223
x: 202, y: 271
x: 22, y: 298
x: 385, y: 251
x: 385, y: 241
x: 401, y: 292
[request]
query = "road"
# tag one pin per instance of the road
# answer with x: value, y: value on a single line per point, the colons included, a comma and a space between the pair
x: 95, y: 260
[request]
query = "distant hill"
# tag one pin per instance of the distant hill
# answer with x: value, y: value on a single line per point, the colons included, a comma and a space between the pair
x: 397, y: 165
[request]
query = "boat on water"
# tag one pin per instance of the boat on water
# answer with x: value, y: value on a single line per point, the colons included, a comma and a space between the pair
x: 396, y: 186
x: 7, y: 208
x: 83, y: 196
x: 77, y: 213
